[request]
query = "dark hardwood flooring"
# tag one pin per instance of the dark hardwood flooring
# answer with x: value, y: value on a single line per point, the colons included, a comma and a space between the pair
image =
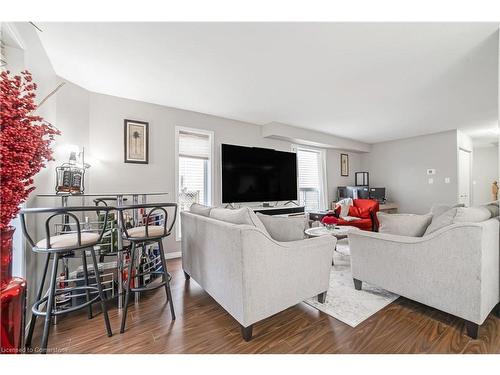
x: 202, y: 326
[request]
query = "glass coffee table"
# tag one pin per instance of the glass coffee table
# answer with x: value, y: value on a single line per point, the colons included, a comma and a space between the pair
x: 338, y: 231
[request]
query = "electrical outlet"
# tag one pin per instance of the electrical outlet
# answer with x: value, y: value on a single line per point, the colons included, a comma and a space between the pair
x: 446, y: 180
x: 431, y: 181
x: 431, y: 171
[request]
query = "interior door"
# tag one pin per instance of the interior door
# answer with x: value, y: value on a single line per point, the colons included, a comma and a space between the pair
x: 464, y: 177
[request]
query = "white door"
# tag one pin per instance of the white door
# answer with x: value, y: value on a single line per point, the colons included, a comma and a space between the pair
x: 464, y: 172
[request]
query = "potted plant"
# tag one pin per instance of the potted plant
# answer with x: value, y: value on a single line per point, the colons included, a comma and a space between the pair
x: 25, y: 147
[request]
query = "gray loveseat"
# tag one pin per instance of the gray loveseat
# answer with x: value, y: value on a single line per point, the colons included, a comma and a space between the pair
x: 233, y: 256
x: 455, y: 268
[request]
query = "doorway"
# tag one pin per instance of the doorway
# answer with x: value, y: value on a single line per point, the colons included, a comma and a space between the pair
x: 464, y: 177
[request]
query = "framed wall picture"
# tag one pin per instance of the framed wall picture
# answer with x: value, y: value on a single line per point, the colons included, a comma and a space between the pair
x: 344, y: 164
x: 136, y: 141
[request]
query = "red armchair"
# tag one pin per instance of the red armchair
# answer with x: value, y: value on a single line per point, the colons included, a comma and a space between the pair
x: 366, y: 210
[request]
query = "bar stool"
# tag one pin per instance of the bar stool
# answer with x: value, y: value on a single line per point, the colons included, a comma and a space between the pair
x: 144, y: 235
x: 57, y: 247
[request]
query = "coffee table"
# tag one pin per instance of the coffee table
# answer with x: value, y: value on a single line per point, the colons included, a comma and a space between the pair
x: 339, y: 232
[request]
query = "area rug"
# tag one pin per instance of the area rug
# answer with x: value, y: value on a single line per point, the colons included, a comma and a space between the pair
x: 345, y: 303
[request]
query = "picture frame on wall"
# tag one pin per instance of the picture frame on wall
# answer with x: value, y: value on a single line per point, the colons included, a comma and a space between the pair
x: 136, y: 139
x: 344, y: 165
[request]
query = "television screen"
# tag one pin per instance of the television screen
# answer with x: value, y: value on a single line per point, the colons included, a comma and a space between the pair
x: 251, y: 174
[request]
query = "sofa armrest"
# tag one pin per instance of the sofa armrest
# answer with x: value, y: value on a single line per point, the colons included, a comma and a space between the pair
x: 455, y: 269
x: 373, y: 216
x: 277, y: 275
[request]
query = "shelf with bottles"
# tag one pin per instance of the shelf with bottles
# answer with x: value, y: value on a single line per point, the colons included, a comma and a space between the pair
x: 76, y: 279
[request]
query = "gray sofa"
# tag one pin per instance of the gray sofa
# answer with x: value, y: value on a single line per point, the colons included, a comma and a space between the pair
x: 455, y: 268
x: 231, y: 254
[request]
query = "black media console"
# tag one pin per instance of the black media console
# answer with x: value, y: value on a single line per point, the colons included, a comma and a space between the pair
x: 280, y: 210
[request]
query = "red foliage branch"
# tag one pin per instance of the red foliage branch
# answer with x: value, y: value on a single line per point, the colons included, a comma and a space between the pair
x: 25, y: 141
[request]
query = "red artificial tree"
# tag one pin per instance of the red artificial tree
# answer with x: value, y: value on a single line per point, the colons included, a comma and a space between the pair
x: 25, y: 141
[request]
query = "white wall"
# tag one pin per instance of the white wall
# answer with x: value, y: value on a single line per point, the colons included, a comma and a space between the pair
x: 334, y: 178
x: 400, y: 166
x: 484, y: 172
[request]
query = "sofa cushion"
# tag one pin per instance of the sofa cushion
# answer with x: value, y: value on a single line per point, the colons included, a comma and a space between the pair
x: 458, y: 215
x: 493, y: 208
x: 243, y: 215
x: 441, y: 221
x: 355, y: 212
x: 439, y: 209
x: 284, y: 229
x: 200, y: 209
x: 403, y: 224
x: 471, y: 214
x: 362, y: 212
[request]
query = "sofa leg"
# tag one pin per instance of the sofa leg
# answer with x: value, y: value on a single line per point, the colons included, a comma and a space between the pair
x: 322, y: 297
x: 186, y: 275
x: 496, y: 310
x: 246, y: 332
x: 472, y: 329
x: 357, y: 284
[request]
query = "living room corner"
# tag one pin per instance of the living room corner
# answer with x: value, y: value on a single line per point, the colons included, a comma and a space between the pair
x: 176, y: 187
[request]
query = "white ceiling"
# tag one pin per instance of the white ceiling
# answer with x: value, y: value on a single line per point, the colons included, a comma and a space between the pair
x: 369, y: 82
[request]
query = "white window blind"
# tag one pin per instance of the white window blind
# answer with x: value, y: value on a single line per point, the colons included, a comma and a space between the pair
x: 194, y: 169
x: 310, y: 165
x: 194, y: 145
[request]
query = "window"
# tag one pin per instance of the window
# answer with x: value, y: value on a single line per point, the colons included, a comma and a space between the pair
x: 312, y: 186
x: 194, y: 168
x: 18, y: 248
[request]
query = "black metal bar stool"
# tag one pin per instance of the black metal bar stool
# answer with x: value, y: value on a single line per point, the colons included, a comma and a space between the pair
x: 57, y: 247
x: 143, y: 235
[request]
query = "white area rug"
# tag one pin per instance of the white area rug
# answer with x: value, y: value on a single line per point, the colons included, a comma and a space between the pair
x: 345, y: 303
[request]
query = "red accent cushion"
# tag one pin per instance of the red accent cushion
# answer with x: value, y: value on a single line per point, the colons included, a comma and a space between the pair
x: 330, y: 220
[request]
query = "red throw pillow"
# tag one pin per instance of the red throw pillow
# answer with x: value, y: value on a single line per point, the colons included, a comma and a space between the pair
x: 330, y: 220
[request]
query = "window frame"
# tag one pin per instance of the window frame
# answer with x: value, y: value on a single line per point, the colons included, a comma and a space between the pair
x: 323, y: 194
x: 210, y: 169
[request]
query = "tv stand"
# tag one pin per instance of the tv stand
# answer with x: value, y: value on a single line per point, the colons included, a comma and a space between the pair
x: 280, y: 210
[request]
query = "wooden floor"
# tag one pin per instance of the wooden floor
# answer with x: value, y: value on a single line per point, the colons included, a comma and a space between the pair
x: 202, y: 326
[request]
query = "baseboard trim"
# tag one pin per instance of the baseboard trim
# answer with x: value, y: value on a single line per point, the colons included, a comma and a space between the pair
x: 175, y: 254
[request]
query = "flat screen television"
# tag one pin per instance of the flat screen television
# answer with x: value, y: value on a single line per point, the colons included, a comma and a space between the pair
x: 251, y: 174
